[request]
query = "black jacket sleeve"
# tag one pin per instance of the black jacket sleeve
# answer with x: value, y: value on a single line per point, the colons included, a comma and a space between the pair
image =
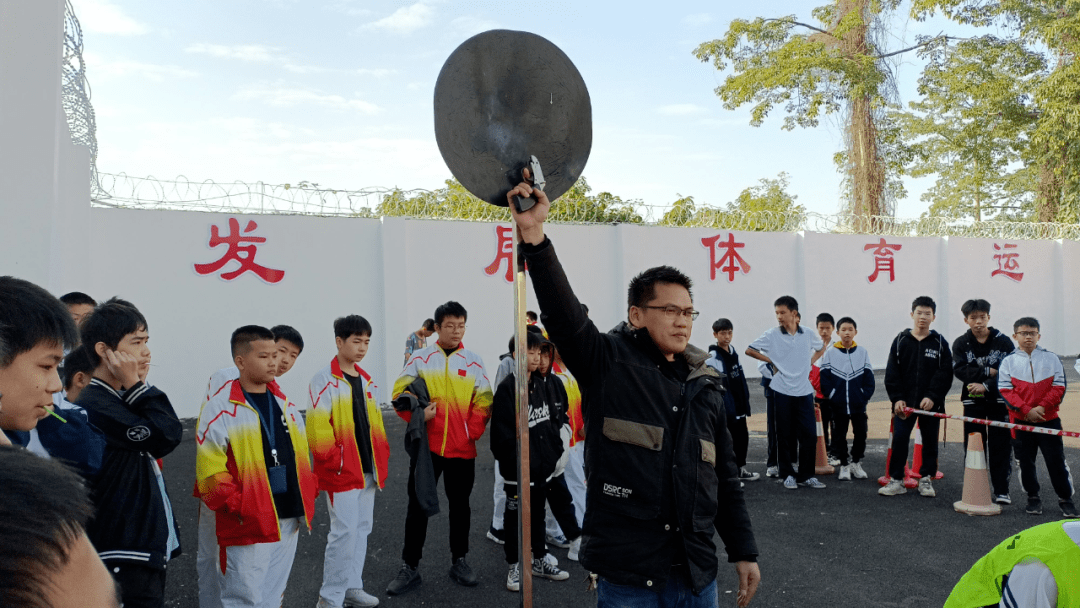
x: 144, y: 421
x: 942, y: 380
x: 732, y: 521
x: 503, y: 429
x: 894, y: 380
x: 967, y: 371
x: 74, y: 441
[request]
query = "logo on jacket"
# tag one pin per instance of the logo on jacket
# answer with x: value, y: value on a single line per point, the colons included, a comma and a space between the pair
x: 138, y: 433
x: 616, y: 491
x: 538, y: 415
x: 931, y: 354
x: 461, y: 373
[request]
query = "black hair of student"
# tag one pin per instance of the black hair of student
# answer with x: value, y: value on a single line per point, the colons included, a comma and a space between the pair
x: 288, y: 332
x: 787, y: 302
x: 109, y: 323
x: 450, y: 309
x: 924, y: 301
x: 429, y: 324
x: 825, y: 318
x: 978, y: 305
x: 351, y: 325
x: 533, y: 340
x: 43, y: 512
x: 76, y: 298
x: 1022, y: 321
x: 531, y: 315
x: 76, y: 361
x: 530, y: 330
x: 29, y: 316
x: 846, y: 320
x: 722, y: 324
x: 642, y: 288
x: 240, y: 343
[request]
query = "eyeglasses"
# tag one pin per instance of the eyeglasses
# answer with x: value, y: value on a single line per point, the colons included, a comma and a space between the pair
x: 453, y: 327
x: 673, y: 311
x: 1027, y: 334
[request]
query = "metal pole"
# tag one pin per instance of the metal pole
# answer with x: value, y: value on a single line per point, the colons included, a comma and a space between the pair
x: 524, y: 491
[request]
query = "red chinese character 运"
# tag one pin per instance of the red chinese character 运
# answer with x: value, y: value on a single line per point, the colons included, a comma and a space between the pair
x: 730, y: 262
x: 504, y: 250
x: 239, y: 252
x: 883, y: 259
x: 1007, y: 263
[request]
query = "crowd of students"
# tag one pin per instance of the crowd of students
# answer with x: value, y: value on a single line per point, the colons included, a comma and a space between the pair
x: 261, y: 460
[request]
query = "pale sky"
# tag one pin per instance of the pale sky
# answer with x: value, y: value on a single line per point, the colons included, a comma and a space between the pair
x: 339, y: 92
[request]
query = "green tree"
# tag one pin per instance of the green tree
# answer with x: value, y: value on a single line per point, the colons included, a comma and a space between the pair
x: 765, y: 207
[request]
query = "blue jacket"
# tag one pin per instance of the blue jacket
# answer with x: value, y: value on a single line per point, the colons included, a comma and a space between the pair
x: 847, y: 378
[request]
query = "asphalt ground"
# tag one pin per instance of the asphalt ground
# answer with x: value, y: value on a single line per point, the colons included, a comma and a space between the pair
x: 841, y: 546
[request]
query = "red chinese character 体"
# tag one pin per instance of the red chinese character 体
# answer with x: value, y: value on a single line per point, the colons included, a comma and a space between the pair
x: 504, y: 250
x: 730, y: 262
x: 239, y: 252
x: 1007, y: 262
x: 883, y: 259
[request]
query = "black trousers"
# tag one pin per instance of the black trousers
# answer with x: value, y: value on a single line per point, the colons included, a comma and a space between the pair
x: 997, y: 442
x: 770, y: 426
x: 827, y: 419
x: 859, y: 427
x: 740, y: 438
x: 458, y: 477
x: 557, y: 496
x: 1028, y: 445
x: 795, y: 422
x: 902, y: 434
x: 140, y: 586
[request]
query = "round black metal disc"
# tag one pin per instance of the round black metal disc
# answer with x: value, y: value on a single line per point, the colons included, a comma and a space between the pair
x: 503, y: 96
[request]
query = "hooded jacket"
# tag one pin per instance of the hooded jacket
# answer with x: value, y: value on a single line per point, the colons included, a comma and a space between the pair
x: 662, y: 474
x: 847, y: 378
x: 973, y: 361
x: 414, y: 399
x: 918, y: 369
x: 1034, y: 380
x: 733, y: 379
x: 547, y: 415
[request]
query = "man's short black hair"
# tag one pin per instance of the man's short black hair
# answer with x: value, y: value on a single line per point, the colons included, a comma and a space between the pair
x: 76, y: 361
x: 44, y: 507
x: 846, y: 320
x: 531, y: 315
x: 109, y: 323
x: 241, y: 340
x: 351, y: 325
x: 450, y: 309
x: 1028, y: 321
x: 529, y: 329
x: 978, y: 305
x: 924, y: 301
x: 642, y: 288
x: 288, y: 332
x: 825, y: 318
x: 429, y: 324
x: 29, y: 315
x: 722, y: 325
x: 75, y: 298
x: 532, y: 340
x: 788, y: 302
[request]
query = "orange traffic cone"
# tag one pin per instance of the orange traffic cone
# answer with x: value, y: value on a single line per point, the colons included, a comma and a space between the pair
x: 916, y: 458
x: 976, y: 498
x: 821, y: 465
x: 909, y: 482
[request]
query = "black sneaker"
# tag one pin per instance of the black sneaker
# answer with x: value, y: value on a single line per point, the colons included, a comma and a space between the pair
x: 407, y: 579
x: 462, y: 574
x: 1034, y: 506
x: 1068, y: 509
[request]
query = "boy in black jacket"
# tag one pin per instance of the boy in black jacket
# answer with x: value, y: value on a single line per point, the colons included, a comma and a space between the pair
x: 133, y: 528
x: 725, y: 360
x: 918, y: 375
x: 547, y: 416
x: 976, y: 357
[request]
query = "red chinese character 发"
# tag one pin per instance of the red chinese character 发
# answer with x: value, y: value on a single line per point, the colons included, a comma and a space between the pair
x: 238, y: 252
x: 730, y: 262
x: 883, y: 259
x: 1007, y: 263
x: 504, y: 250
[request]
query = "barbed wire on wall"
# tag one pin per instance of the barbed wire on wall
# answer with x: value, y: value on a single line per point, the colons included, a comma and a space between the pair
x: 76, y: 95
x: 181, y: 194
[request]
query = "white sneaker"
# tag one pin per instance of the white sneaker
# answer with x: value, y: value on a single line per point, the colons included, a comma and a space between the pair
x: 845, y: 472
x: 513, y: 578
x: 358, y: 598
x: 575, y: 548
x: 772, y: 472
x: 789, y: 483
x: 543, y: 569
x: 557, y: 541
x: 926, y: 488
x: 745, y: 475
x: 833, y: 461
x: 813, y: 483
x: 893, y: 488
x: 857, y: 471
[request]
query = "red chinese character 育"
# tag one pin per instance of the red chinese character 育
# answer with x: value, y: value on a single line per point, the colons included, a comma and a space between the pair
x: 239, y: 252
x: 730, y: 262
x: 1007, y: 263
x: 883, y: 259
x: 504, y: 250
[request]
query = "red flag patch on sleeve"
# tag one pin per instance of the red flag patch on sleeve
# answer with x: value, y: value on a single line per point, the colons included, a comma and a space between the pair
x: 461, y: 373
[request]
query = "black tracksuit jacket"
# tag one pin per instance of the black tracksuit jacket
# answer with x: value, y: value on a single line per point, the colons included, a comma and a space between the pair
x: 972, y: 362
x: 547, y: 415
x: 659, y: 458
x: 918, y: 369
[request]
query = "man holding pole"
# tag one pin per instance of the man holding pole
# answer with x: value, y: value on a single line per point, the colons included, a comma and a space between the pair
x: 662, y: 470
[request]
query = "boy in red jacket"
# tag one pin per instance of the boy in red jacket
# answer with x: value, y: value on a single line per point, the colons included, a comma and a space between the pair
x: 1032, y: 382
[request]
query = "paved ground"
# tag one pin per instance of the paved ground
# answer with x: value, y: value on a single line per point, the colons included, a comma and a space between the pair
x: 842, y: 546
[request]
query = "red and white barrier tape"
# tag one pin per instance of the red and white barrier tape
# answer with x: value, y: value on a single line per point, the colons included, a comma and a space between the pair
x: 1004, y: 425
